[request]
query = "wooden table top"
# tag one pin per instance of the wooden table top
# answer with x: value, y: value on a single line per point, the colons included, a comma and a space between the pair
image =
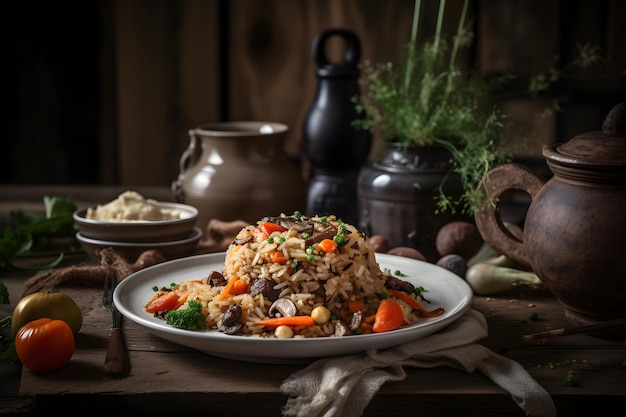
x: 167, y: 378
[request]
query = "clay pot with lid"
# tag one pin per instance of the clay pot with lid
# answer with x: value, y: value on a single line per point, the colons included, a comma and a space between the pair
x: 574, y: 234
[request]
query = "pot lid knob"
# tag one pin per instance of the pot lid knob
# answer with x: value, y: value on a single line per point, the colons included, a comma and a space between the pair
x: 615, y: 122
x: 606, y: 148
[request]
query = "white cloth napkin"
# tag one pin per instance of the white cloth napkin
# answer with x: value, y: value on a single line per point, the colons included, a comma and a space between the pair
x: 344, y: 386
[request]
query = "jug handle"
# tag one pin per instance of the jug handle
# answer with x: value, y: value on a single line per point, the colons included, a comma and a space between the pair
x: 511, y: 176
x: 189, y: 157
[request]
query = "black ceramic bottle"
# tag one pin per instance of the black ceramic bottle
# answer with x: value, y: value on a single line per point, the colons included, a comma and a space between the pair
x: 334, y: 147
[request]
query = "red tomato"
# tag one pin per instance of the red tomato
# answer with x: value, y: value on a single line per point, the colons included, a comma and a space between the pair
x: 44, y: 345
x: 166, y: 302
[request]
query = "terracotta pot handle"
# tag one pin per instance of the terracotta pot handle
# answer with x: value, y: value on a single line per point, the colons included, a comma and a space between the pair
x: 488, y: 221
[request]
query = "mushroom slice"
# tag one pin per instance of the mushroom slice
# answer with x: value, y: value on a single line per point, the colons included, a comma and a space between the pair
x: 357, y: 318
x: 284, y: 306
x: 341, y: 329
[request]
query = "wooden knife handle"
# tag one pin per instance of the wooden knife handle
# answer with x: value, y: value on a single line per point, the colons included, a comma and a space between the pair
x: 116, y: 362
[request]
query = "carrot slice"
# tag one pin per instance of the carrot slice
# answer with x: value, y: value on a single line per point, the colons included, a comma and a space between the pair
x: 239, y: 287
x: 355, y: 305
x: 327, y: 245
x: 369, y: 319
x: 287, y: 321
x: 389, y: 316
x: 228, y: 288
x: 415, y: 305
x: 278, y: 257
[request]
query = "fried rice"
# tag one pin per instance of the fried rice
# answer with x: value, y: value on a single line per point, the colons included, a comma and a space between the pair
x: 297, y: 266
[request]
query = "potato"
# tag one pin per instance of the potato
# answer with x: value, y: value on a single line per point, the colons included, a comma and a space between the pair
x: 459, y: 237
x: 407, y: 252
x: 454, y: 263
x: 380, y: 243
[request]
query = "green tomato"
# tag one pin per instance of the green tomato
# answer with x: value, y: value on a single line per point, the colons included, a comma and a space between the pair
x: 54, y: 305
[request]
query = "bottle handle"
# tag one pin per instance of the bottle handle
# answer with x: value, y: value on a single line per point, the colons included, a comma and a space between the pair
x: 505, y: 177
x: 190, y: 156
x: 352, y: 52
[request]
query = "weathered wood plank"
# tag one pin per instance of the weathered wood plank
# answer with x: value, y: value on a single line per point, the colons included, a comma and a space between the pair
x: 166, y: 83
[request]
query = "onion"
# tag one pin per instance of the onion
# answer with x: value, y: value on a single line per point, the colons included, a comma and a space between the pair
x: 487, y: 278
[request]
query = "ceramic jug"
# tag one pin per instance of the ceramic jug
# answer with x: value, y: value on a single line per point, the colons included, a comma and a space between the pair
x: 239, y: 171
x: 574, y: 234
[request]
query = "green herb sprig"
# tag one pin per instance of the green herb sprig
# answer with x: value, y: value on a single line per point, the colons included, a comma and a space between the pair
x: 33, y: 233
x: 427, y: 100
x: 7, y: 341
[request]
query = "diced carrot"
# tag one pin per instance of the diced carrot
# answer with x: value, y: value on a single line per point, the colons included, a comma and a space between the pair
x: 355, y: 305
x: 228, y: 288
x: 170, y: 301
x: 370, y: 319
x: 278, y: 257
x: 365, y: 328
x: 268, y: 228
x: 327, y: 245
x: 389, y: 316
x: 288, y: 321
x: 239, y: 287
x: 415, y: 305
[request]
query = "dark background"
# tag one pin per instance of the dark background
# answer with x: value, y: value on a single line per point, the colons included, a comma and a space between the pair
x: 103, y: 92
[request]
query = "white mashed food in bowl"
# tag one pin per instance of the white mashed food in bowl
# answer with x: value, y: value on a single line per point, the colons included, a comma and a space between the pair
x: 132, y: 206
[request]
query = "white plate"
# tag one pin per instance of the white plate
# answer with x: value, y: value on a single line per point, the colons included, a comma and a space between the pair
x: 442, y: 288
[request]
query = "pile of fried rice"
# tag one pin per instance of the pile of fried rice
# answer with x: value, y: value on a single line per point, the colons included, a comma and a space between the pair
x: 293, y: 265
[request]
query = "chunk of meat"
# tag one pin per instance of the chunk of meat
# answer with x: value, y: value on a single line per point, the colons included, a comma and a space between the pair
x: 395, y: 283
x: 231, y: 320
x: 265, y: 287
x: 291, y: 222
x: 327, y: 231
x: 216, y: 279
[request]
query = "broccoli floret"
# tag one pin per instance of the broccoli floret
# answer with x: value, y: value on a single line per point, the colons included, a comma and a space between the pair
x: 190, y: 318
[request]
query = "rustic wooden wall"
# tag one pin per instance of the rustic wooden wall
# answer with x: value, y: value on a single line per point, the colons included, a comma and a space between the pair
x: 108, y: 97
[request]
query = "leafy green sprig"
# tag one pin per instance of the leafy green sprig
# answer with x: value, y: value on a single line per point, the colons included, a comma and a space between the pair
x: 33, y: 232
x: 428, y: 100
x: 7, y: 341
x: 586, y: 56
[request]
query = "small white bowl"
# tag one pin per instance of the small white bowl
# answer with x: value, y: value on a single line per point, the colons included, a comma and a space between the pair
x: 131, y: 250
x: 139, y: 231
